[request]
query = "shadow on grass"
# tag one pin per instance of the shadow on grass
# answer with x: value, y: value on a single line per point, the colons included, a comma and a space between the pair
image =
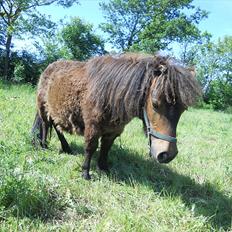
x: 77, y: 149
x: 130, y: 167
x: 126, y: 165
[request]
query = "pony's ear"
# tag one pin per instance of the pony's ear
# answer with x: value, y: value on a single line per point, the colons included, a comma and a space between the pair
x: 192, y: 70
x: 162, y: 68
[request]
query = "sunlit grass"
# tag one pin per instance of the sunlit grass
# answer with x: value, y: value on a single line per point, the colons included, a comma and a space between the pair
x: 44, y: 191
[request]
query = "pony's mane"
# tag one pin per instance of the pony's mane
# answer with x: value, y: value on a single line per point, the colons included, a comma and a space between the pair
x: 120, y: 84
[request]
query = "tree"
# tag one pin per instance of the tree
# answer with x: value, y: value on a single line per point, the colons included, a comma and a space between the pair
x: 80, y: 40
x: 26, y: 67
x: 150, y: 25
x: 213, y: 62
x: 19, y: 17
x: 50, y: 48
x: 2, y: 32
x: 189, y: 48
x: 125, y: 20
x: 219, y: 91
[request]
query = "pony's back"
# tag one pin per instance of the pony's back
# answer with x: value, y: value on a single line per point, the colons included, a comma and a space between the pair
x: 50, y: 73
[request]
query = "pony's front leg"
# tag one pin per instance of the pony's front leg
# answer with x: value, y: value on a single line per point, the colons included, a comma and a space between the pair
x: 91, y: 144
x: 106, y: 143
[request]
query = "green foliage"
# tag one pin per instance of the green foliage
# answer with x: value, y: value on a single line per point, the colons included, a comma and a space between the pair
x: 80, y: 40
x: 26, y: 67
x: 150, y: 25
x: 214, y: 70
x: 18, y: 17
x: 51, y: 48
x: 2, y: 32
x: 21, y: 16
x: 43, y: 190
x: 220, y: 94
x: 125, y: 20
x: 19, y: 72
x: 189, y: 48
x: 75, y: 40
x: 2, y: 54
x: 171, y: 21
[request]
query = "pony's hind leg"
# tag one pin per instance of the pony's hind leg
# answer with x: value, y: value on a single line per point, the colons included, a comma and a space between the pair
x: 106, y: 143
x: 64, y: 144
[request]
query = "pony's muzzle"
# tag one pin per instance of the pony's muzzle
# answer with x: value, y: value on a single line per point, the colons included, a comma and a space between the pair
x: 163, y: 151
x: 162, y: 157
x: 165, y: 157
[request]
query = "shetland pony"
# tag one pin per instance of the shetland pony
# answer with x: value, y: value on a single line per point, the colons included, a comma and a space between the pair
x: 97, y: 98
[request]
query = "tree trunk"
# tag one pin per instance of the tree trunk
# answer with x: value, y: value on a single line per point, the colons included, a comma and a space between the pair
x: 7, y: 57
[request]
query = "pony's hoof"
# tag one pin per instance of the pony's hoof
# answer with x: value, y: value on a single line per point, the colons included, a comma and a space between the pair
x: 70, y: 152
x: 86, y: 176
x: 104, y: 168
x: 44, y: 147
x: 67, y: 151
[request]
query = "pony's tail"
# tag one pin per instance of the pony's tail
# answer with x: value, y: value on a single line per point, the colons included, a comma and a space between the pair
x: 37, y: 130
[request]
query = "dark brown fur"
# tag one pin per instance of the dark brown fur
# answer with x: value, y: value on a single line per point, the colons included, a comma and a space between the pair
x: 99, y: 97
x: 121, y: 84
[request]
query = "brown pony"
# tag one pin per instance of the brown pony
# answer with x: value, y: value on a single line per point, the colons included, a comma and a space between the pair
x: 99, y: 97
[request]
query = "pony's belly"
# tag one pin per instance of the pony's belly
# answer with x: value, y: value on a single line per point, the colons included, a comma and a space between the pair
x: 71, y: 123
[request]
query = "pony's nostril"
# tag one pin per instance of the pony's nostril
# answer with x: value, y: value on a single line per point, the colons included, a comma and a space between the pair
x: 162, y: 157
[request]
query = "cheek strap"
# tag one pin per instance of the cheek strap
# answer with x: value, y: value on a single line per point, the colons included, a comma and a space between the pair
x: 153, y: 133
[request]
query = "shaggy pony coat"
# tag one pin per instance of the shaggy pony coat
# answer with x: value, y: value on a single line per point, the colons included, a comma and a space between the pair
x: 99, y: 97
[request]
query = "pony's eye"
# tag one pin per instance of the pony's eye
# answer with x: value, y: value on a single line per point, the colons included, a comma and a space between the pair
x: 155, y: 104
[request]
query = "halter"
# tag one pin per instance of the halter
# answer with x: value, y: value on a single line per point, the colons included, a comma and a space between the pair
x: 152, y: 133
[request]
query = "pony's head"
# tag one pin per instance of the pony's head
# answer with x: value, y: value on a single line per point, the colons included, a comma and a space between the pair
x: 172, y: 90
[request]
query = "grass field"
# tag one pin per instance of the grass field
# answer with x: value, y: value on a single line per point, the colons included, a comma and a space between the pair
x: 44, y: 191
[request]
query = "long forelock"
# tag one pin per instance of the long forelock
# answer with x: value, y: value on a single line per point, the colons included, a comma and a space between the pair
x: 178, y: 84
x: 120, y: 84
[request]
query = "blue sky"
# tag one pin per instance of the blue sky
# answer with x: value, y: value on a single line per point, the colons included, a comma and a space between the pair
x: 88, y: 10
x: 218, y: 23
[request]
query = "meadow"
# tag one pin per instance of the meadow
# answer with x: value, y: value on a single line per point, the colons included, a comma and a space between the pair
x: 44, y: 191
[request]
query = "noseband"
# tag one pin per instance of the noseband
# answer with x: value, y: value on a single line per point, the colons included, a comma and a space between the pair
x: 152, y: 133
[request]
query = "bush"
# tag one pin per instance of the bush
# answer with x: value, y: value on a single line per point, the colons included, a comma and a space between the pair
x: 27, y: 67
x: 24, y: 67
x: 219, y: 94
x: 19, y: 72
x: 229, y: 110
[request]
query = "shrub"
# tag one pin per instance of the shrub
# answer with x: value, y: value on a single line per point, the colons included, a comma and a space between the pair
x: 220, y: 94
x: 24, y: 67
x: 19, y: 72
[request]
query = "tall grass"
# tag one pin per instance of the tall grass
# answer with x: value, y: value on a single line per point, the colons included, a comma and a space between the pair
x: 44, y: 191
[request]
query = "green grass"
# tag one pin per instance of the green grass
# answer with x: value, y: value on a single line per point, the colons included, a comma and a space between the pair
x: 44, y: 191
